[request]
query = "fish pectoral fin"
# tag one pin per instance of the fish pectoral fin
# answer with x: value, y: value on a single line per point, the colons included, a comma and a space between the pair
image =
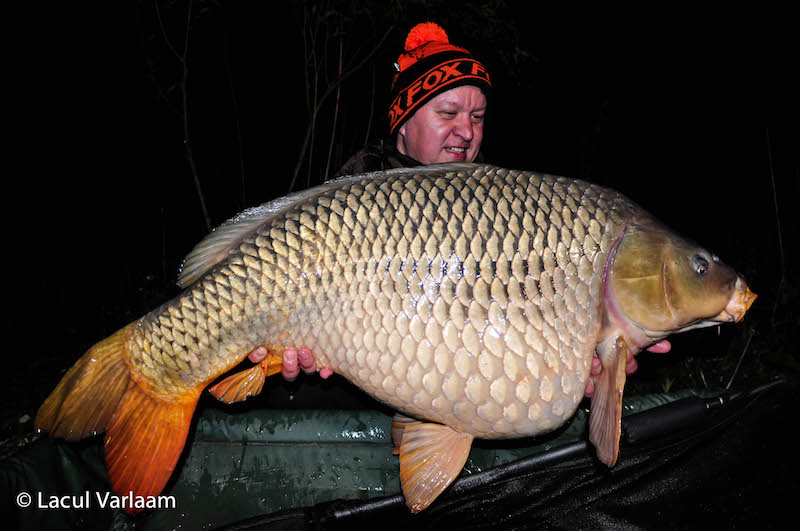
x: 431, y: 457
x: 605, y: 419
x: 144, y: 440
x: 248, y: 382
x: 399, y: 423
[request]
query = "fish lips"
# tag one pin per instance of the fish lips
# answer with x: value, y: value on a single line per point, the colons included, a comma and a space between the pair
x: 737, y: 307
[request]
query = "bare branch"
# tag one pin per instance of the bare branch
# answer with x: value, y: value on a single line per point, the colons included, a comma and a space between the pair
x: 319, y: 101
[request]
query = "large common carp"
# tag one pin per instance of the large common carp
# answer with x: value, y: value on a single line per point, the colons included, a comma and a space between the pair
x: 471, y: 298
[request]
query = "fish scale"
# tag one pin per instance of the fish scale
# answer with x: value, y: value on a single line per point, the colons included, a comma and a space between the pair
x: 470, y: 299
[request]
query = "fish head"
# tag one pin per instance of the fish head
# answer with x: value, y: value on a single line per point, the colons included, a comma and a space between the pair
x: 665, y: 284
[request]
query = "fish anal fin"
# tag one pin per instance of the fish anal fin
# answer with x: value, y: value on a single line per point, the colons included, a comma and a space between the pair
x: 399, y: 423
x: 605, y: 419
x: 431, y: 457
x: 144, y: 440
x: 85, y: 399
x: 248, y: 382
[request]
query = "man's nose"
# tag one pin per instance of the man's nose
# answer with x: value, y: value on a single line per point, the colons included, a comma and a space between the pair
x: 464, y: 128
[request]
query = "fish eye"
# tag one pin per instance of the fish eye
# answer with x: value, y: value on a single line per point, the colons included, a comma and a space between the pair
x: 700, y: 264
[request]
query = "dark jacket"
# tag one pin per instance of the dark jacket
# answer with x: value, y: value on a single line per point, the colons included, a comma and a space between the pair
x: 376, y: 156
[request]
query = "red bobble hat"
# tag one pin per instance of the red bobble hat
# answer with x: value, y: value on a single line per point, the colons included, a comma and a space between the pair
x: 429, y: 66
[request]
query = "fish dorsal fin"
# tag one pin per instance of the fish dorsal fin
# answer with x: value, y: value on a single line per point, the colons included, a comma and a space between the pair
x: 215, y: 247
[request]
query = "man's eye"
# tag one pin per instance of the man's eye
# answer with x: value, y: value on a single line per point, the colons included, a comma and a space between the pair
x: 477, y: 117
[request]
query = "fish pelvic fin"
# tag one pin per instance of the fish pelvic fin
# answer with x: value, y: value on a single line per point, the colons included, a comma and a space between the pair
x: 431, y: 457
x: 399, y: 423
x: 247, y: 383
x: 605, y: 419
x: 144, y: 440
x: 86, y: 398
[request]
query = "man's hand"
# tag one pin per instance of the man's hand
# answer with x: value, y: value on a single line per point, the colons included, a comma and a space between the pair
x: 293, y: 361
x: 296, y: 359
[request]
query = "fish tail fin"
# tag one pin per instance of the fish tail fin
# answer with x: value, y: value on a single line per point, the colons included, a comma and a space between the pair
x: 247, y: 383
x: 144, y: 440
x: 86, y: 398
x: 145, y: 433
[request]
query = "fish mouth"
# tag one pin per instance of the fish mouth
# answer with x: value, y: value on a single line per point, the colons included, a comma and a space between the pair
x: 738, y: 305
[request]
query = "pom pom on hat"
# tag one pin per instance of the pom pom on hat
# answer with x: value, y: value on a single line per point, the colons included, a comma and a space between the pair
x: 424, y: 33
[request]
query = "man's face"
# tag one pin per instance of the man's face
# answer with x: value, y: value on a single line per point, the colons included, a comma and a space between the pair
x: 449, y: 128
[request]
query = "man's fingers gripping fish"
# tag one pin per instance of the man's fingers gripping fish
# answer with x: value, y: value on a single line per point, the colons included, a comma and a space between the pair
x: 471, y: 298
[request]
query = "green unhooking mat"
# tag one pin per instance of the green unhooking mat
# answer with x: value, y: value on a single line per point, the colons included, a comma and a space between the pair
x: 687, y: 459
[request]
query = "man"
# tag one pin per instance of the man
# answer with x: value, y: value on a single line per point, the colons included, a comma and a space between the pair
x: 439, y: 100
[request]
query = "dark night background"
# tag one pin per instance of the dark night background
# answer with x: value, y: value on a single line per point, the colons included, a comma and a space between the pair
x: 688, y: 113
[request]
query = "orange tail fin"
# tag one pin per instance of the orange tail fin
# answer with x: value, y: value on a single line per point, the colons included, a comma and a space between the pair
x: 144, y: 441
x: 84, y: 401
x: 145, y: 434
